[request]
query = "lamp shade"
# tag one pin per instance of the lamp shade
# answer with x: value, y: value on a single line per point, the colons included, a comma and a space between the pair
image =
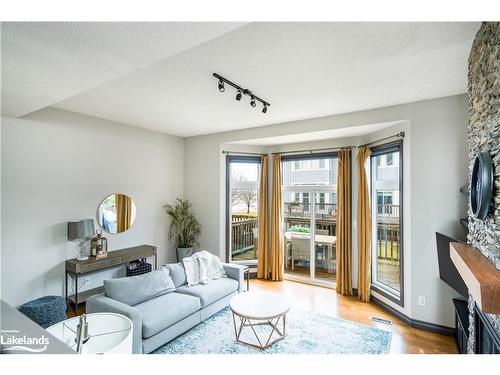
x: 80, y: 229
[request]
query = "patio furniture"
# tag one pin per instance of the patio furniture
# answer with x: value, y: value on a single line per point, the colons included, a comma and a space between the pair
x: 256, y: 309
x: 327, y: 241
x: 322, y: 232
x: 320, y: 248
x: 300, y: 249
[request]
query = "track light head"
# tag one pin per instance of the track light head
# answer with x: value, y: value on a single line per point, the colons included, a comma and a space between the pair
x: 240, y: 91
x: 221, y: 86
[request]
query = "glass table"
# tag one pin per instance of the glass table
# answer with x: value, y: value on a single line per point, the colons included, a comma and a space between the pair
x: 109, y: 333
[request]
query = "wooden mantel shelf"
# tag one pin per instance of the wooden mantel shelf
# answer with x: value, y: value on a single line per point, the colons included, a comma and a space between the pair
x: 479, y: 274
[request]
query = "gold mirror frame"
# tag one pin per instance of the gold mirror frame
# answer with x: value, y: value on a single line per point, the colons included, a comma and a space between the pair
x: 116, y: 213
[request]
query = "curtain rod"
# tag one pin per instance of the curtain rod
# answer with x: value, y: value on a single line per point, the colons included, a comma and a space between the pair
x: 243, y: 153
x: 313, y: 151
x: 400, y: 134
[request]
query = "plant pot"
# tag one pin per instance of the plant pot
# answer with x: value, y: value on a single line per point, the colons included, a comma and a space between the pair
x: 184, y: 252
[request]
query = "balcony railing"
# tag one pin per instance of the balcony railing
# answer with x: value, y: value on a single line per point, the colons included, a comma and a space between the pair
x: 244, y: 227
x: 243, y: 234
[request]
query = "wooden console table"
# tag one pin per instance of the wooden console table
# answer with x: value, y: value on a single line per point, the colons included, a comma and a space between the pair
x: 77, y: 268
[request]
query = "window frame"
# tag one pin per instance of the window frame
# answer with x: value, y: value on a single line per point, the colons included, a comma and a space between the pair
x: 231, y: 159
x: 396, y: 146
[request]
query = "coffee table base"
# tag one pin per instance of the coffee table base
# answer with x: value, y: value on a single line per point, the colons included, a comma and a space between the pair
x: 247, y: 322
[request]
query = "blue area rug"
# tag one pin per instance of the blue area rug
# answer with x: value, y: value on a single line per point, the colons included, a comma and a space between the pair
x: 306, y: 333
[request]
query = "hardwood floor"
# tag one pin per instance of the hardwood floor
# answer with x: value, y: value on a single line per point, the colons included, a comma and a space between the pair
x: 326, y: 301
x: 405, y: 339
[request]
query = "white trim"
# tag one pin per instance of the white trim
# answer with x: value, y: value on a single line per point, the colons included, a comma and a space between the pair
x: 310, y: 188
x: 308, y: 280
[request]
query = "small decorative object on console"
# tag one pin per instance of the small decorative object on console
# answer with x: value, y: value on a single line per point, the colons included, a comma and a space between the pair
x: 138, y: 267
x: 99, y: 245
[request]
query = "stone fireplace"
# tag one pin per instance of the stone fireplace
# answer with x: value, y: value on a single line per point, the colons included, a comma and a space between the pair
x: 483, y: 133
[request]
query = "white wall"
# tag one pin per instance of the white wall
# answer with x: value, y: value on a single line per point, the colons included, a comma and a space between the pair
x: 437, y: 168
x: 57, y: 166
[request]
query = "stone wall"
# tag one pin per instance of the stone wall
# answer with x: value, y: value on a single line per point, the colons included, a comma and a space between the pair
x: 483, y: 134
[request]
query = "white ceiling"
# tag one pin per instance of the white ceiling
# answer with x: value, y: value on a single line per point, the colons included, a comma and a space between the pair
x: 46, y: 62
x: 140, y: 77
x: 353, y: 131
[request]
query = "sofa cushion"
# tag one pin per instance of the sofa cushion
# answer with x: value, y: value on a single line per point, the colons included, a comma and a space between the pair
x: 211, y: 292
x: 177, y: 273
x: 136, y: 289
x: 161, y: 312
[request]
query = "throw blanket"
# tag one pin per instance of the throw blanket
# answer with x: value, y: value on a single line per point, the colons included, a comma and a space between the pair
x: 202, y: 267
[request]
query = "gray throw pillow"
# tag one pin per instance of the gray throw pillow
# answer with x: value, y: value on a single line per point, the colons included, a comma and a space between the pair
x: 177, y: 273
x: 137, y: 289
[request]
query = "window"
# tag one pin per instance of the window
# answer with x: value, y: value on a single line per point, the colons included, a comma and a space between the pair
x: 321, y: 201
x: 242, y: 191
x: 384, y: 202
x: 309, y: 214
x: 305, y: 201
x: 389, y: 160
x: 387, y: 221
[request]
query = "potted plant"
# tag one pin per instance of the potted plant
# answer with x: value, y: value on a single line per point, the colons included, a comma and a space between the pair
x: 185, y: 229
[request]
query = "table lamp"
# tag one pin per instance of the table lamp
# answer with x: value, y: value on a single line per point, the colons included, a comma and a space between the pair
x: 81, y: 230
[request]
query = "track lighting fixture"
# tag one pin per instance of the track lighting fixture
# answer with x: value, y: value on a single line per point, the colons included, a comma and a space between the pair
x: 221, y: 86
x: 241, y: 91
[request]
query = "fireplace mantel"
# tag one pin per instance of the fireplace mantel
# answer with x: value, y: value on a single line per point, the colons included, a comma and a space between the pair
x: 479, y: 274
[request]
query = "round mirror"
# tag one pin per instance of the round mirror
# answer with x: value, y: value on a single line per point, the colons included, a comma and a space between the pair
x: 116, y: 213
x: 481, y: 188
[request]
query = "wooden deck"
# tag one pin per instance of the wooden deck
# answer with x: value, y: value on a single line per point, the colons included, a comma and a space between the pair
x: 388, y: 271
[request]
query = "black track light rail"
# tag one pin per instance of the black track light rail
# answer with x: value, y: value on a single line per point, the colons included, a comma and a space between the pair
x: 243, y: 90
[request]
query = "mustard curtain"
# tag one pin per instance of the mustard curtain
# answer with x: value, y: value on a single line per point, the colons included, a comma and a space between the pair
x: 262, y: 239
x: 344, y: 277
x: 123, y: 212
x: 276, y: 232
x: 364, y: 228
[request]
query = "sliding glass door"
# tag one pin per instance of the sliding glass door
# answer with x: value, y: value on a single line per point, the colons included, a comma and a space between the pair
x: 309, y: 213
x: 242, y: 191
x: 387, y: 220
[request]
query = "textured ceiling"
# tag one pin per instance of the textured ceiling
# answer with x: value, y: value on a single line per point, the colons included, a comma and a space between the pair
x: 304, y: 70
x: 46, y: 62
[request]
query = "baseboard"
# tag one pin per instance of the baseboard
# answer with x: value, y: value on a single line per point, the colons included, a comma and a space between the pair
x: 414, y: 323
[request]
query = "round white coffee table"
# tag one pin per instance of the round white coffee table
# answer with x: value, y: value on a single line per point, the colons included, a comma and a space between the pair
x: 259, y: 308
x: 109, y: 333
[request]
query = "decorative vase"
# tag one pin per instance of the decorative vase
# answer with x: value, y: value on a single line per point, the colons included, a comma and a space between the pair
x: 184, y: 252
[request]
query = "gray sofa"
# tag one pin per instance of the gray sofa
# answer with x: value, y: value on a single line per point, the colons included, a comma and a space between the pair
x: 160, y: 304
